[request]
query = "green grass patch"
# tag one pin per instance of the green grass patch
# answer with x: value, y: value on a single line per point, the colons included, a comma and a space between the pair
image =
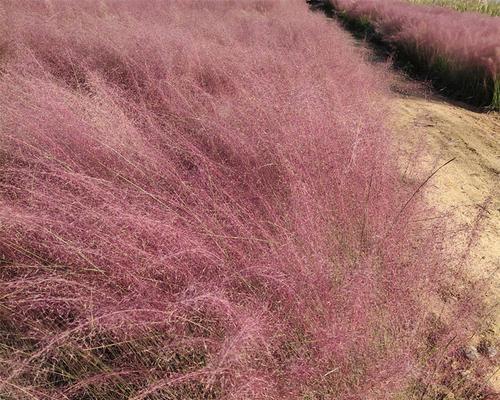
x: 490, y: 8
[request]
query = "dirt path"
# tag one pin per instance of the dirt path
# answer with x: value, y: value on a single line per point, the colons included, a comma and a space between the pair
x: 468, y: 185
x: 471, y: 182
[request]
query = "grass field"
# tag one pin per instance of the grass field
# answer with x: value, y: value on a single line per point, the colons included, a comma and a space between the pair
x: 203, y: 200
x: 482, y: 6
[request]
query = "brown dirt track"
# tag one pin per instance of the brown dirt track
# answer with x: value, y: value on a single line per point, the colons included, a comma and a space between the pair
x: 468, y: 186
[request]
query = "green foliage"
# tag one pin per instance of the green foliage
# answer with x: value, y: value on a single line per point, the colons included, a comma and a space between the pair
x: 495, y: 103
x: 486, y: 7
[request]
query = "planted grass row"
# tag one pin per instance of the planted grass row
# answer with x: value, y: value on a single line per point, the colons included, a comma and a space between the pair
x: 458, y: 52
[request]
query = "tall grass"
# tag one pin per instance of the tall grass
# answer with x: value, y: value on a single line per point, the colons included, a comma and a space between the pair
x: 199, y: 200
x: 491, y: 7
x: 460, y: 52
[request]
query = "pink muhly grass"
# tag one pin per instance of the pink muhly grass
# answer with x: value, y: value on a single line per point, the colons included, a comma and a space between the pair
x: 199, y: 200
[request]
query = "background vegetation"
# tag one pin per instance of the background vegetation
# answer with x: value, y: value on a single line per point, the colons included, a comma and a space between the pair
x: 484, y: 6
x: 458, y: 52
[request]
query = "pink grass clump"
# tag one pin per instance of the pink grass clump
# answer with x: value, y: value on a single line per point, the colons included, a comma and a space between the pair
x: 199, y: 200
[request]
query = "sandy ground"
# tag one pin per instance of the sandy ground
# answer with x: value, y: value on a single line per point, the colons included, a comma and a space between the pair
x: 467, y: 186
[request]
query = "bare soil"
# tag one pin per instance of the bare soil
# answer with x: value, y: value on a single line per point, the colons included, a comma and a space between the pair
x: 468, y: 186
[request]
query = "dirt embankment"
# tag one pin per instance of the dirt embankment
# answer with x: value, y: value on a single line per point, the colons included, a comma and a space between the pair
x: 468, y: 186
x: 471, y: 182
